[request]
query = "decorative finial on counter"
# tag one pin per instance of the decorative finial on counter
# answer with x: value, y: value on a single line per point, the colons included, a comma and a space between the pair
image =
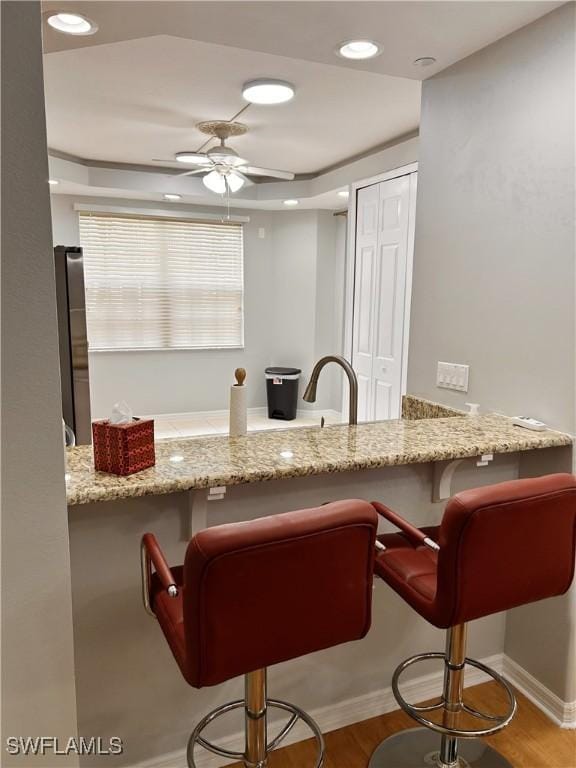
x: 240, y: 374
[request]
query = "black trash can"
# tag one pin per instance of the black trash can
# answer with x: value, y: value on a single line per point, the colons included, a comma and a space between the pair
x: 282, y: 391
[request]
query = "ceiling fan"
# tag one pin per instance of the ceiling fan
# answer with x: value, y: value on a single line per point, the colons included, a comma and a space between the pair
x: 224, y: 169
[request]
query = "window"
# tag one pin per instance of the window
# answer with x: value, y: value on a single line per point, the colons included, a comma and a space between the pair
x: 154, y: 283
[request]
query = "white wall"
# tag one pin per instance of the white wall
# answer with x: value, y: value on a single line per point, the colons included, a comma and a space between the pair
x: 280, y: 317
x: 38, y: 685
x: 494, y: 268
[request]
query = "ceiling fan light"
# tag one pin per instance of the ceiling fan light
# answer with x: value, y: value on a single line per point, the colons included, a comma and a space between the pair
x: 215, y: 182
x: 235, y: 182
x: 268, y: 91
x: 193, y: 158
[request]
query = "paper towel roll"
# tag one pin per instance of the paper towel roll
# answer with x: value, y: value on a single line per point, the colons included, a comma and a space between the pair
x: 238, y: 411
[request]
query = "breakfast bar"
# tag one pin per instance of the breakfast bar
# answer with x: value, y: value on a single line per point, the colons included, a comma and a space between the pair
x: 410, y: 464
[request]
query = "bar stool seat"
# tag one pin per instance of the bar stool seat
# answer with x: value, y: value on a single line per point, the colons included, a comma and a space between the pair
x: 258, y: 593
x: 498, y: 547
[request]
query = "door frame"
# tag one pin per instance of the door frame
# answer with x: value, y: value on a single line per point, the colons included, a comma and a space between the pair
x: 350, y: 264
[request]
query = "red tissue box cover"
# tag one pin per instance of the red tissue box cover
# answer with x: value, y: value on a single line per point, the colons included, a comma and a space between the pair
x: 123, y: 449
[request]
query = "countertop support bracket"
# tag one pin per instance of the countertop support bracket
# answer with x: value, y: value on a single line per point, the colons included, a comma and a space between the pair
x: 196, y: 516
x: 444, y: 473
x: 442, y: 480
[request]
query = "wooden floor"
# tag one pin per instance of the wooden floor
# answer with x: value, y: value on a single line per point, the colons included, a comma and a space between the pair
x: 530, y: 741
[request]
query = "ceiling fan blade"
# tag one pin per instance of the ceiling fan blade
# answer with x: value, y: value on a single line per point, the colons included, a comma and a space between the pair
x: 253, y: 170
x: 191, y: 173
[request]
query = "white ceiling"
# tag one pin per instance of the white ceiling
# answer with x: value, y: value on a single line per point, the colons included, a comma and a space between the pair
x: 310, y: 30
x: 135, y: 90
x: 130, y: 102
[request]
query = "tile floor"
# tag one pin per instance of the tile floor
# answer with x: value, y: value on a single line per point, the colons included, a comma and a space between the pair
x: 216, y: 422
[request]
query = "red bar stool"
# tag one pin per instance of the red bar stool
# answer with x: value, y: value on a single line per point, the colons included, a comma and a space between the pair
x: 497, y: 547
x: 257, y: 593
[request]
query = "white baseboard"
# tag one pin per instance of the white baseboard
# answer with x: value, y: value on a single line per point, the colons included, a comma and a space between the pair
x: 561, y: 712
x: 335, y: 716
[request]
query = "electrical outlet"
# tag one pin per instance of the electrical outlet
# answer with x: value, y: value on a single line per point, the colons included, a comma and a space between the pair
x: 452, y: 376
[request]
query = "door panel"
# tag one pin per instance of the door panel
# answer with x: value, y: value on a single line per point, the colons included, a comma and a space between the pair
x: 386, y: 300
x: 363, y: 333
x: 383, y: 404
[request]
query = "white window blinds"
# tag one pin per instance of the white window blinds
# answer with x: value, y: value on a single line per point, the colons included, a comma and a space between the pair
x: 155, y: 283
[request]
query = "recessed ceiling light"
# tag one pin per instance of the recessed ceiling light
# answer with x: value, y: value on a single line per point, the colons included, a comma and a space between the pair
x: 177, y: 458
x: 291, y: 203
x: 171, y: 196
x: 267, y: 91
x: 344, y: 193
x: 425, y: 61
x: 72, y: 23
x: 53, y: 182
x: 195, y: 158
x: 358, y: 49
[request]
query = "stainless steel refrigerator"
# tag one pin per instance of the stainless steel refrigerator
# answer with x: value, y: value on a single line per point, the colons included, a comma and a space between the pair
x: 73, y: 341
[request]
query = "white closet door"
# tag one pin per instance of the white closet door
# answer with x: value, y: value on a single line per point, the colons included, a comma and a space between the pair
x: 365, y: 275
x: 380, y: 294
x: 390, y: 297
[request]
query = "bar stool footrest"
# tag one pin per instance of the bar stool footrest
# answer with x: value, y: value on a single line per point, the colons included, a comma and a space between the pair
x: 417, y: 713
x: 196, y: 739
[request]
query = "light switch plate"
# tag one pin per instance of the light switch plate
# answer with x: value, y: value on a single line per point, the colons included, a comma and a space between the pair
x: 452, y: 376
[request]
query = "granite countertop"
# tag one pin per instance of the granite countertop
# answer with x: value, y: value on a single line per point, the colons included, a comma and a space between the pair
x: 207, y: 462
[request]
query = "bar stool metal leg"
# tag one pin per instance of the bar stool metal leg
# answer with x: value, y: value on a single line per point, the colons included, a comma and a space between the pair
x: 255, y: 704
x: 255, y: 718
x: 445, y: 744
x: 452, y: 695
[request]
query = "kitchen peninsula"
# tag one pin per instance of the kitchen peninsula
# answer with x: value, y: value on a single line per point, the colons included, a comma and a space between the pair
x: 210, y: 480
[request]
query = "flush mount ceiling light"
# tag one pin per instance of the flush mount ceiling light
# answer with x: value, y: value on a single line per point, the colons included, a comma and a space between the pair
x: 344, y: 193
x: 268, y: 91
x: 53, y: 182
x: 171, y: 196
x: 291, y: 203
x: 358, y: 49
x: 425, y: 61
x: 72, y: 23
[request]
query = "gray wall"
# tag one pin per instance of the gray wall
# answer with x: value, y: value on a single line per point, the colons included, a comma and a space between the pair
x: 494, y: 252
x: 281, y: 273
x: 494, y: 269
x: 38, y: 688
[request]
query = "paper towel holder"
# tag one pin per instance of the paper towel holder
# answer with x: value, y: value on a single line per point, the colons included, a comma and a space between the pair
x: 240, y: 375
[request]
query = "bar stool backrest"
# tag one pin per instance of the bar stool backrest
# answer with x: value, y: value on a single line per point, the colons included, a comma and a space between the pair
x: 268, y: 590
x: 506, y: 545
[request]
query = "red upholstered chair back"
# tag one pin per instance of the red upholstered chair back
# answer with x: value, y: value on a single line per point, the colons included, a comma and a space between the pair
x: 506, y: 545
x: 268, y: 590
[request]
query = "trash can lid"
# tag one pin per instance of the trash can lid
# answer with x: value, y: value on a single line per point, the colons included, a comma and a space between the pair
x: 278, y: 371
